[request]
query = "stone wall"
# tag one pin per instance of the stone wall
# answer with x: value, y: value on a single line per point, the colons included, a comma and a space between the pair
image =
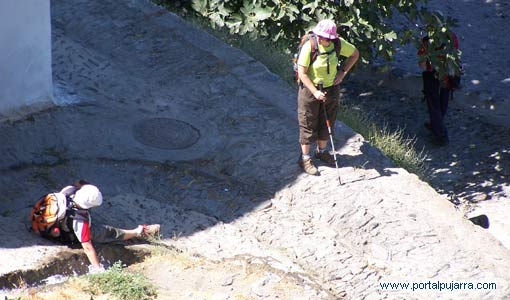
x: 25, y: 57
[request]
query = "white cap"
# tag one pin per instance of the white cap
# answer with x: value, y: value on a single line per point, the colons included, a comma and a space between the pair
x: 88, y: 196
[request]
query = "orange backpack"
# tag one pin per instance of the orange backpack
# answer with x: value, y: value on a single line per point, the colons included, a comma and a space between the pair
x: 47, y: 213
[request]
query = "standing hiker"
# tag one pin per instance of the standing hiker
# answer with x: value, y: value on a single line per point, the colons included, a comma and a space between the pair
x: 438, y: 91
x: 318, y: 63
x: 65, y: 217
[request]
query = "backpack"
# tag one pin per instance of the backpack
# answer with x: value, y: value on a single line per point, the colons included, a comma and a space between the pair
x: 453, y: 82
x: 47, y: 213
x: 314, y: 44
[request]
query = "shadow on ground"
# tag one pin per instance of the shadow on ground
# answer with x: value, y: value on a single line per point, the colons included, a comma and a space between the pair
x: 475, y: 166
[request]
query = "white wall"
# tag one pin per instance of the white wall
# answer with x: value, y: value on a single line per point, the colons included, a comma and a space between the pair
x: 25, y: 57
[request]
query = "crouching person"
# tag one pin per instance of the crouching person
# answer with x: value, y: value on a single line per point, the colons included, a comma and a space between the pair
x: 65, y: 217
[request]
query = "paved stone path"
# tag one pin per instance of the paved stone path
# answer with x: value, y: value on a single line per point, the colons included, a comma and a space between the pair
x: 238, y: 190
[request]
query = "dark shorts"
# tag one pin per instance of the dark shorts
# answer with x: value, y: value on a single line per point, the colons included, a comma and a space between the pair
x: 105, y: 234
x: 312, y: 122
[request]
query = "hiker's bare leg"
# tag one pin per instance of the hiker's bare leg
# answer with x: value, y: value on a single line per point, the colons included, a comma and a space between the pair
x: 142, y: 231
x: 323, y: 144
x: 305, y: 149
x: 132, y: 233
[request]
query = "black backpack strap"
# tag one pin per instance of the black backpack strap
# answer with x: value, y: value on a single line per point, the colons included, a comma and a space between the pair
x: 327, y: 53
x: 69, y: 203
x: 336, y: 49
x: 338, y: 46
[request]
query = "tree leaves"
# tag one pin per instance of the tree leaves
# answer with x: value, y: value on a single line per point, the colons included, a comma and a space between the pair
x: 256, y: 13
x: 370, y: 24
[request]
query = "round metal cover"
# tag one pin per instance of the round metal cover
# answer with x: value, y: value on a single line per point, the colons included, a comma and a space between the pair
x: 165, y: 133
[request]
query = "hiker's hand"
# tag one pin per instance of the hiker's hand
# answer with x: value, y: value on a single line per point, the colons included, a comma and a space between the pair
x: 320, y: 96
x: 339, y: 77
x: 96, y: 269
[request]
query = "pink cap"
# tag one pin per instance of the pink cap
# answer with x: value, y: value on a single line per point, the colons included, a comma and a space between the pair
x: 326, y: 29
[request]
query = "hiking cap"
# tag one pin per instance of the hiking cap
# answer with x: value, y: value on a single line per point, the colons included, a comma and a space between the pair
x: 326, y: 29
x: 88, y: 196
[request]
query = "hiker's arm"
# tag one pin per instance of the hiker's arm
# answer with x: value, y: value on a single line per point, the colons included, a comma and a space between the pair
x: 347, y: 67
x: 307, y: 82
x: 89, y: 250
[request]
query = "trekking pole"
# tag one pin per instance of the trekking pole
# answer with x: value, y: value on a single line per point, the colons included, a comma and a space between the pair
x: 330, y: 135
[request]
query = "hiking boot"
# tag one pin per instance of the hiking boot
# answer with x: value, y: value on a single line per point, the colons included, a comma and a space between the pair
x: 325, y: 157
x: 308, y: 166
x: 149, y: 230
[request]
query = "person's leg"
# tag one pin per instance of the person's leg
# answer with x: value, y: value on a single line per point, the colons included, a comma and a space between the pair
x: 308, y: 114
x: 427, y: 77
x: 308, y: 109
x: 444, y: 96
x: 305, y: 149
x: 432, y: 90
x: 143, y: 231
x: 322, y: 144
x: 109, y: 234
x: 100, y: 233
x: 444, y: 99
x: 331, y: 106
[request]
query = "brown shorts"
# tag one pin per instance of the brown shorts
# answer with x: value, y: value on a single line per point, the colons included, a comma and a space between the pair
x: 312, y: 122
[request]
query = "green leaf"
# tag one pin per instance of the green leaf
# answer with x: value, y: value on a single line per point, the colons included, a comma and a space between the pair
x: 260, y: 13
x: 312, y: 6
x: 281, y: 13
x: 390, y: 36
x: 200, y: 6
x: 348, y: 2
x: 217, y: 19
x: 284, y: 21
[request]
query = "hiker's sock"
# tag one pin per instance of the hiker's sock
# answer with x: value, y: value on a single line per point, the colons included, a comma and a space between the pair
x: 305, y: 156
x: 139, y: 230
x: 321, y: 150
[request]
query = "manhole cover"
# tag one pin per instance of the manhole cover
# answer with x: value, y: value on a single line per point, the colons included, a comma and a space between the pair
x: 166, y: 133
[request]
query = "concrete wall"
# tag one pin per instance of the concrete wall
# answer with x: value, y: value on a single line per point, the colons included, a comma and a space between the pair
x: 25, y: 57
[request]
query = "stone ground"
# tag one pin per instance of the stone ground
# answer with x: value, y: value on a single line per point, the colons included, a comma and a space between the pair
x: 476, y: 165
x: 473, y: 171
x: 178, y: 128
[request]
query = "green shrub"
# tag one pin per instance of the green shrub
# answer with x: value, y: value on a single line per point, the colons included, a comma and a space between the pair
x: 122, y: 284
x: 400, y: 149
x: 367, y: 24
